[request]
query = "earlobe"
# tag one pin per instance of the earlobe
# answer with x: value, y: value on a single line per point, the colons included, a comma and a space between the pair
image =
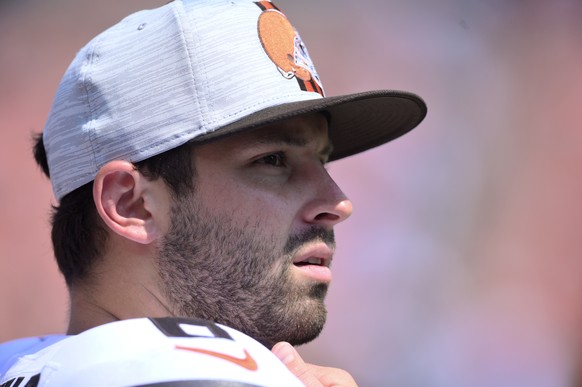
x: 120, y: 195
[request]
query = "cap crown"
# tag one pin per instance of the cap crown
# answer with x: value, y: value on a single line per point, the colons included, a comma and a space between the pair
x: 162, y: 77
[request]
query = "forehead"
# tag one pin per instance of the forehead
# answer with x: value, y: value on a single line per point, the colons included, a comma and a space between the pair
x: 309, y: 129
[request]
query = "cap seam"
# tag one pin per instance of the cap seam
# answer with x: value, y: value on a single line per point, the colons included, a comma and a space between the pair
x: 89, y: 58
x: 179, y: 12
x: 86, y: 86
x: 267, y: 101
x: 189, y: 133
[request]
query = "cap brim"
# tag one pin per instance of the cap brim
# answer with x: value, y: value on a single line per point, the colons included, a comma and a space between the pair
x: 357, y: 122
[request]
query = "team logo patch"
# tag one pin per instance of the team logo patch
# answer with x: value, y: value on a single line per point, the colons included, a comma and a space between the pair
x: 285, y: 48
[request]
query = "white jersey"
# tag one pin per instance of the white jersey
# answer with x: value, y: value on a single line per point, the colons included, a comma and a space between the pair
x: 151, y: 352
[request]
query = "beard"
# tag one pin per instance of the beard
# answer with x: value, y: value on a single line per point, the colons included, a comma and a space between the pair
x: 239, y: 276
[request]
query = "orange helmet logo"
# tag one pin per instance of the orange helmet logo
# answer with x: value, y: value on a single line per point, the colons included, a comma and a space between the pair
x: 285, y: 48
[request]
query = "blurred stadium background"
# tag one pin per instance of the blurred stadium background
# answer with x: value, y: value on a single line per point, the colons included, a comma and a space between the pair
x: 462, y: 263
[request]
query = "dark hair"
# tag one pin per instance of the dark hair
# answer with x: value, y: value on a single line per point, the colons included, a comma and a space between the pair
x: 78, y: 234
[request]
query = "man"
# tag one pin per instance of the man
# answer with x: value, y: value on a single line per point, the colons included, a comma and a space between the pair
x: 187, y: 148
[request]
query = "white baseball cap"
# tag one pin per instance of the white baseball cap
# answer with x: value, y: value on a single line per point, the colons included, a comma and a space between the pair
x: 192, y: 70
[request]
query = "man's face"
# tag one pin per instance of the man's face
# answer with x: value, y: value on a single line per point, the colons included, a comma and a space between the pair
x: 251, y: 246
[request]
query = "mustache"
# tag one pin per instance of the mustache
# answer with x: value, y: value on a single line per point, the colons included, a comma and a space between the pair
x: 313, y: 234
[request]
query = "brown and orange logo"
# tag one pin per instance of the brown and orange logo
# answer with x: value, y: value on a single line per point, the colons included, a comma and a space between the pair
x: 285, y: 48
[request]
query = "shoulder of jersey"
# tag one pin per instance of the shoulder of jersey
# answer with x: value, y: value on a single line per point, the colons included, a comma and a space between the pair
x: 170, y: 352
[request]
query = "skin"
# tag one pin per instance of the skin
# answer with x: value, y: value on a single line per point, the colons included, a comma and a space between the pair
x: 263, y: 201
x: 254, y: 211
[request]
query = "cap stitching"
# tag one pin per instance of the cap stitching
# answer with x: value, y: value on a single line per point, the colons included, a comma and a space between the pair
x: 189, y: 134
x: 250, y: 107
x: 92, y: 57
x: 89, y: 59
x: 203, y: 72
x: 179, y: 12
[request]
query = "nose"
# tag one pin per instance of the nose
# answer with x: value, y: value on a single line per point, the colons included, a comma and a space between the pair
x: 328, y: 205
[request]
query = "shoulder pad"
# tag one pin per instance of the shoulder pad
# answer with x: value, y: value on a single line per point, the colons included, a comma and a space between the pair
x: 155, y: 352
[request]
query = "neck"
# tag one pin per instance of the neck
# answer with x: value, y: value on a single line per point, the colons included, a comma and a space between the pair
x: 87, y: 313
x: 131, y: 290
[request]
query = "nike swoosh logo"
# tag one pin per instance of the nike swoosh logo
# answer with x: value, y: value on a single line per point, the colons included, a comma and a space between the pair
x: 246, y: 362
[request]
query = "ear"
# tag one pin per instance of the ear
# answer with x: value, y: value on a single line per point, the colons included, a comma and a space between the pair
x: 124, y: 200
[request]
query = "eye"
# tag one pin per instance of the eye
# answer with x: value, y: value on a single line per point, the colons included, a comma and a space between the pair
x: 277, y: 159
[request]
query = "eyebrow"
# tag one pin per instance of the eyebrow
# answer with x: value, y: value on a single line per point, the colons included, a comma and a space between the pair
x: 291, y: 139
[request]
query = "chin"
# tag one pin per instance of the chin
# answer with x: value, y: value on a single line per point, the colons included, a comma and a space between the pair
x: 309, y: 322
x: 295, y: 339
x: 299, y: 329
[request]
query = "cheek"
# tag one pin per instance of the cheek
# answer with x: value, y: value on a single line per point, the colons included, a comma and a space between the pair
x: 269, y: 206
x: 268, y: 212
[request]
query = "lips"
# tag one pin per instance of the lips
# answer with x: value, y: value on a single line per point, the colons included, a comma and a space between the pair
x: 318, y: 254
x: 313, y: 261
